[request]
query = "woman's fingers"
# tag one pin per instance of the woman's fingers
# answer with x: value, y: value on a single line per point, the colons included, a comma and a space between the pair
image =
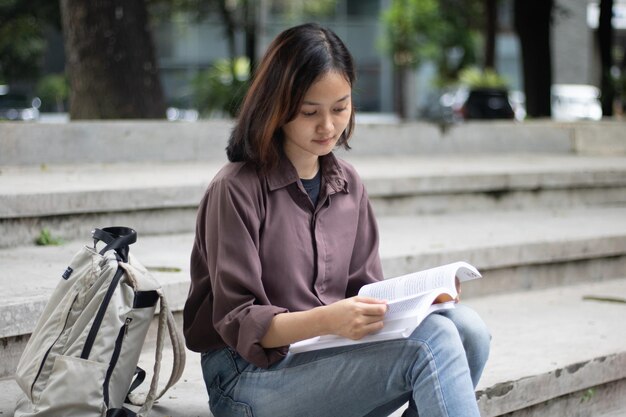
x: 357, y: 316
x: 372, y: 306
x: 369, y: 317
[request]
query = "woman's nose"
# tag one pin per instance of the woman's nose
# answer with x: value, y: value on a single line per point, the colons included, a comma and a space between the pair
x: 326, y: 124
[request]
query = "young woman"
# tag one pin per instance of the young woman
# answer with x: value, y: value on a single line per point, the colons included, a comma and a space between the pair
x: 285, y: 238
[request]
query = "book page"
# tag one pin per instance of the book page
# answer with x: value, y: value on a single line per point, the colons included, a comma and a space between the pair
x: 420, y: 282
x: 409, y: 298
x: 395, y: 288
x: 409, y: 305
x: 402, y: 317
x: 466, y: 271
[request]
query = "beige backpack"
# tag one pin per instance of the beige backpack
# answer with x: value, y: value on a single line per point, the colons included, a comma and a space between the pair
x: 82, y: 356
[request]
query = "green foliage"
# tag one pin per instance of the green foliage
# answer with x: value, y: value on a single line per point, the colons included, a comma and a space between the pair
x: 21, y: 45
x: 46, y: 239
x: 220, y: 89
x: 319, y: 8
x: 53, y: 90
x: 22, y: 42
x: 163, y: 10
x: 588, y: 395
x: 410, y: 28
x: 462, y: 21
x: 299, y: 10
x: 475, y: 78
x: 443, y: 31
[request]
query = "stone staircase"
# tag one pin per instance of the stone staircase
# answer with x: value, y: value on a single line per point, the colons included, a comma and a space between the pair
x: 539, y: 208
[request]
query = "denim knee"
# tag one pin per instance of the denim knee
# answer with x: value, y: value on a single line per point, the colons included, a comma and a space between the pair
x: 472, y: 329
x: 440, y: 375
x: 469, y: 323
x: 440, y: 334
x: 474, y: 335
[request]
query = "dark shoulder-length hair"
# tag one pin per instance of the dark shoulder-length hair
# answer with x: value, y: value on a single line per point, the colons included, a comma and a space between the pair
x: 293, y: 62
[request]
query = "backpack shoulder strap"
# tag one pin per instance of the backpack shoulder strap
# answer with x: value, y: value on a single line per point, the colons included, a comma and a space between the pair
x: 166, y: 320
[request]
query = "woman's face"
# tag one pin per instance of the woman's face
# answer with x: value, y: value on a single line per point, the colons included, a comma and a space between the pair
x: 322, y: 118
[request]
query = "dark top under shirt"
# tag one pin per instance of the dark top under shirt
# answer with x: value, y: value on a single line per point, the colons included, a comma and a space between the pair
x: 312, y: 186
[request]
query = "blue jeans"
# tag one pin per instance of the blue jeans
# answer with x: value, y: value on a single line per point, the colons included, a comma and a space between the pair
x: 436, y: 370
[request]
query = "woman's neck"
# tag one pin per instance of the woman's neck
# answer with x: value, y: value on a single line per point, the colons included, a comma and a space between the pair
x: 306, y: 167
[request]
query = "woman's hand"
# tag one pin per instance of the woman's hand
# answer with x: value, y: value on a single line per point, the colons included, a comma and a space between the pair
x: 354, y: 317
x: 457, y: 283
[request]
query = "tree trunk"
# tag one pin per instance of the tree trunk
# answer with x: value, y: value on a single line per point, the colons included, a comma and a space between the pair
x: 605, y: 42
x: 491, y: 28
x: 110, y: 60
x: 532, y: 19
x: 229, y: 28
x: 250, y: 26
x: 622, y: 86
x: 400, y: 93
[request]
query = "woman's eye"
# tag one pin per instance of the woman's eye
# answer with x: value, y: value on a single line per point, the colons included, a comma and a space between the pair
x: 308, y: 113
x: 340, y: 110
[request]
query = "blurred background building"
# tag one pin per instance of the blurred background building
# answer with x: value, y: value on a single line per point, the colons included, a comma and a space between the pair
x: 185, y: 47
x: 190, y: 43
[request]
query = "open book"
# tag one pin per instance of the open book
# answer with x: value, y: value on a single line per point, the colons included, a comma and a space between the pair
x: 410, y: 298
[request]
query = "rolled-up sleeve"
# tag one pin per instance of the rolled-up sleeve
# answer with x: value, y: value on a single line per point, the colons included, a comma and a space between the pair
x: 242, y: 312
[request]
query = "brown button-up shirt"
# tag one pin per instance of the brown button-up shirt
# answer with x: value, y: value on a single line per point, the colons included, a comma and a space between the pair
x: 262, y: 248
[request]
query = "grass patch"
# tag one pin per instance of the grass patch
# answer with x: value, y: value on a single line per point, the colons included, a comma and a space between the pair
x: 46, y: 239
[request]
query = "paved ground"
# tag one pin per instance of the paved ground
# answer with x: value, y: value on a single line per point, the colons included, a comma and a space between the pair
x: 533, y: 334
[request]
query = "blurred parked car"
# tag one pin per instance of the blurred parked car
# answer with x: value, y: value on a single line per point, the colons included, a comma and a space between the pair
x: 462, y: 103
x: 443, y: 106
x: 176, y: 114
x: 15, y: 106
x: 518, y: 102
x: 487, y: 103
x: 575, y: 102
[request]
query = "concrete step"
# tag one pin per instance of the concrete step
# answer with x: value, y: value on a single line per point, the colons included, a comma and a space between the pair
x: 123, y: 141
x: 559, y: 349
x: 615, y: 413
x: 162, y: 198
x: 412, y: 185
x: 555, y: 352
x: 518, y: 251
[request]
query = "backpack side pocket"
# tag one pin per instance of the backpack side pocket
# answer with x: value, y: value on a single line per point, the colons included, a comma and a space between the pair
x: 69, y: 374
x: 40, y: 348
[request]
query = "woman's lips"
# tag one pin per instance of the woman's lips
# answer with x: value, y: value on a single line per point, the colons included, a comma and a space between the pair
x: 324, y: 141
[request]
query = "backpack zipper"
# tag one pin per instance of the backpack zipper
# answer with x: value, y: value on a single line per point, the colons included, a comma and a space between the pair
x: 114, y: 357
x: 97, y: 322
x: 45, y: 356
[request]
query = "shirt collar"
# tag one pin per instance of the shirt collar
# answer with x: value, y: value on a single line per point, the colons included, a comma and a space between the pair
x: 285, y: 173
